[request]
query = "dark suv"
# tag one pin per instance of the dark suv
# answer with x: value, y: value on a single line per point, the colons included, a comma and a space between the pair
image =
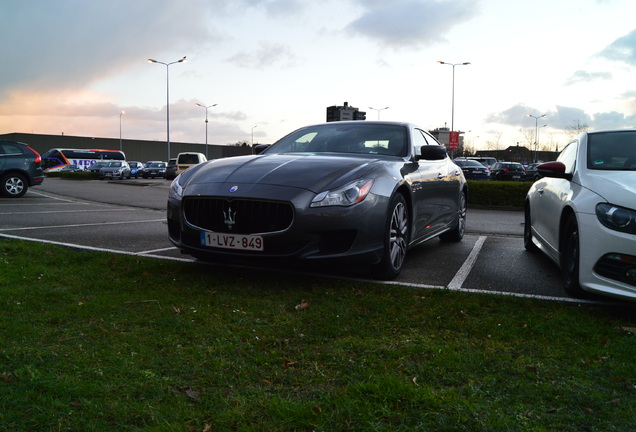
x: 20, y: 167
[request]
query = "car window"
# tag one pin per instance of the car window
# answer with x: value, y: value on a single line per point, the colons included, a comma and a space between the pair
x: 568, y: 157
x: 345, y: 138
x: 611, y: 150
x: 8, y: 148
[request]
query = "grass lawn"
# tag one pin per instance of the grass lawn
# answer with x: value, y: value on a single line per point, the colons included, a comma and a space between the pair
x: 101, y: 342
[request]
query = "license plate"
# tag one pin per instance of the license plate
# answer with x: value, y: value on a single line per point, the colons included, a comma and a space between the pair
x: 232, y: 241
x: 516, y: 177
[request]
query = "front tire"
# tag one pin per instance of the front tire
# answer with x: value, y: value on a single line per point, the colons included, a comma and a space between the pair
x: 396, y: 239
x: 570, y: 258
x: 14, y: 185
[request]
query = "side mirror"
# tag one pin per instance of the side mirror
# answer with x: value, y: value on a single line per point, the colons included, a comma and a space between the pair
x: 260, y: 148
x: 432, y: 152
x: 554, y: 170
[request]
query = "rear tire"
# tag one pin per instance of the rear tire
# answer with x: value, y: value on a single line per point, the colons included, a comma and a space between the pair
x: 13, y: 185
x: 396, y: 239
x: 570, y: 258
x: 457, y: 233
x: 527, y: 231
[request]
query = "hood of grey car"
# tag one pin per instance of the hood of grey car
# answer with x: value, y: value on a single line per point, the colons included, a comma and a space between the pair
x: 311, y: 172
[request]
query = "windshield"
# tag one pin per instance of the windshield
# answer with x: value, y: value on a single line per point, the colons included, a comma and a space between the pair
x: 365, y: 138
x: 614, y: 151
x: 158, y: 165
x: 113, y: 164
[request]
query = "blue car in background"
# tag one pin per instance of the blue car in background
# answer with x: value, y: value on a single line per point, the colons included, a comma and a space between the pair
x: 134, y: 168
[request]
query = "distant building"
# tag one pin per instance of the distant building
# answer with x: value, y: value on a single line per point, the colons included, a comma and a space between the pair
x: 343, y: 113
x: 135, y: 150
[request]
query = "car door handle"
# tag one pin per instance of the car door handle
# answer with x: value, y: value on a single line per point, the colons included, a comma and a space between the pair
x: 440, y: 176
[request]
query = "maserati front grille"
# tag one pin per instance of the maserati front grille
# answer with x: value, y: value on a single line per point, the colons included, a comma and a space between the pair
x: 238, y: 216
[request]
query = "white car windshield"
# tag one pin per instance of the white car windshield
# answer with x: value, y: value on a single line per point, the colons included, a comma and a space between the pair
x: 615, y: 151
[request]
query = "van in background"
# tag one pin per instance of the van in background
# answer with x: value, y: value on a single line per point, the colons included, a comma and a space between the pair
x: 186, y: 160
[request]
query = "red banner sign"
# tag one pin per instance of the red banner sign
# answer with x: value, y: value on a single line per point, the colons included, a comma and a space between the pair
x: 453, y: 140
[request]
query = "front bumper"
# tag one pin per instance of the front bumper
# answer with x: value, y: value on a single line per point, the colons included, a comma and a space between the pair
x: 607, y: 259
x: 354, y: 232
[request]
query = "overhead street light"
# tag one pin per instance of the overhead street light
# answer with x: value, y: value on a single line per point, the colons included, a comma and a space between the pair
x: 181, y: 60
x: 206, y: 125
x: 453, y: 90
x: 378, y: 110
x: 453, y: 93
x: 120, y: 142
x: 536, y: 133
x: 255, y: 126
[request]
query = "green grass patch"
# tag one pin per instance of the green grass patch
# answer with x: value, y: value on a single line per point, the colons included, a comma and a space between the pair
x: 102, y: 342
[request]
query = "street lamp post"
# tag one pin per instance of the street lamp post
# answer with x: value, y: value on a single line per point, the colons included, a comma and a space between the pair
x: 378, y: 110
x: 536, y: 133
x: 167, y: 96
x: 206, y: 125
x: 453, y: 91
x: 120, y: 141
x: 255, y: 126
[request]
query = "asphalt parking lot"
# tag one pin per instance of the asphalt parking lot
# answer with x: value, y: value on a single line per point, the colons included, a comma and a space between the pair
x: 129, y: 217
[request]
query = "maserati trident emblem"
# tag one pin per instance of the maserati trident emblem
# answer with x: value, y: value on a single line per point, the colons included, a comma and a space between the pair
x: 229, y: 218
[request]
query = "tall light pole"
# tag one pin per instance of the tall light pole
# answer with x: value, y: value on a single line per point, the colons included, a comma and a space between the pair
x: 181, y: 60
x: 206, y: 125
x: 378, y: 110
x: 120, y: 142
x: 255, y: 126
x: 453, y: 90
x: 536, y: 132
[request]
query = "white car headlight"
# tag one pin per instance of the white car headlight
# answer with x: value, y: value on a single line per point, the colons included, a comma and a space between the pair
x: 617, y: 218
x: 345, y: 196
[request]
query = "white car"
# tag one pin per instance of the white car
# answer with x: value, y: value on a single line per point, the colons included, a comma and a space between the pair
x: 582, y: 214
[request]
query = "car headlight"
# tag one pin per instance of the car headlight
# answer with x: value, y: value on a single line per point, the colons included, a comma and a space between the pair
x: 617, y: 218
x: 345, y: 196
x: 176, y: 190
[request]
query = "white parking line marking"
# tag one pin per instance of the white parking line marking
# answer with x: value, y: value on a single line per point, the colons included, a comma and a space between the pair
x: 156, y: 250
x: 94, y: 249
x: 81, y: 225
x: 406, y: 284
x: 75, y: 211
x: 462, y: 273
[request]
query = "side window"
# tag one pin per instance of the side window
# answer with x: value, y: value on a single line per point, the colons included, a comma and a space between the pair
x: 568, y: 157
x: 418, y: 141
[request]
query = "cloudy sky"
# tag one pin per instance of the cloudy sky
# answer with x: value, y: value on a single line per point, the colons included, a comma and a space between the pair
x: 271, y: 66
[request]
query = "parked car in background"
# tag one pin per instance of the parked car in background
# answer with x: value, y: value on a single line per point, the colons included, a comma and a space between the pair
x: 171, y: 169
x: 532, y: 174
x: 115, y: 169
x: 134, y: 168
x: 140, y: 171
x: 71, y: 168
x: 20, y: 168
x: 582, y: 214
x: 472, y: 169
x: 484, y: 160
x: 155, y: 170
x: 510, y: 171
x: 188, y: 159
x: 97, y: 166
x: 365, y: 191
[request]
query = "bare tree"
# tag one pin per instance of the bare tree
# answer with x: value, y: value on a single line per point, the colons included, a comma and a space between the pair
x: 576, y: 127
